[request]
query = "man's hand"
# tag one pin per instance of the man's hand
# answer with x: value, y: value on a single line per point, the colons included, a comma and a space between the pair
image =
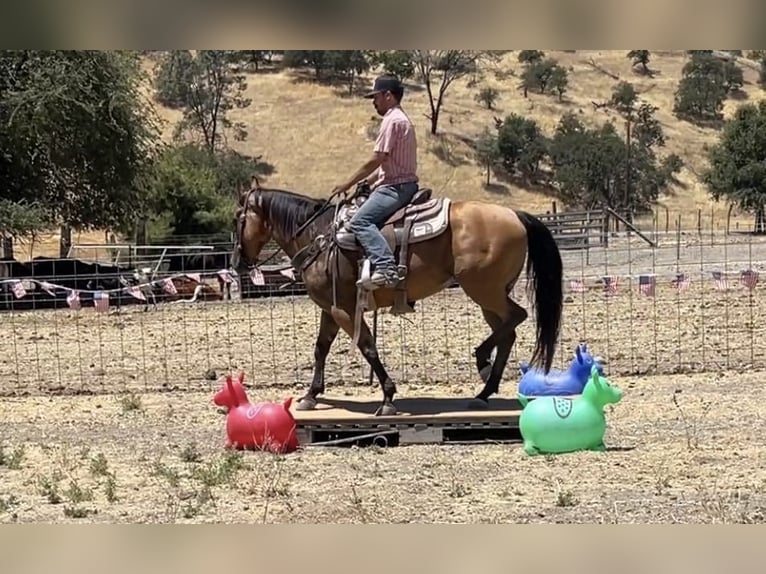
x: 337, y: 190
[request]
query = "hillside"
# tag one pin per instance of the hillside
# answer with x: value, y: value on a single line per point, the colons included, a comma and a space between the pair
x: 315, y: 136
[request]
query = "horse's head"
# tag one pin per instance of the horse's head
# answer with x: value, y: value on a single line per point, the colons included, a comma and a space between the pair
x: 599, y: 391
x: 252, y: 228
x: 584, y: 360
x: 231, y: 394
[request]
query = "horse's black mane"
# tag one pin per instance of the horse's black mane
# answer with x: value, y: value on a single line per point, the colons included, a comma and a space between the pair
x: 288, y: 210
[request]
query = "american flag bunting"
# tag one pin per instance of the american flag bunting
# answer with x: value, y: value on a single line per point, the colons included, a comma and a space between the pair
x: 136, y: 292
x: 576, y: 286
x: 168, y: 286
x: 257, y: 277
x: 73, y: 300
x: 18, y: 289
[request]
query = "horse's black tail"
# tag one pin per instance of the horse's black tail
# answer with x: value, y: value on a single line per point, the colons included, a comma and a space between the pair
x: 545, y: 272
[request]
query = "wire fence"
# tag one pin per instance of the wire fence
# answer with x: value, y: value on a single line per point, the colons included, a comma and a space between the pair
x: 692, y: 304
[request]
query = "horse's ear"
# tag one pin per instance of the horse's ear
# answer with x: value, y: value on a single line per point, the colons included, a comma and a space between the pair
x: 255, y: 182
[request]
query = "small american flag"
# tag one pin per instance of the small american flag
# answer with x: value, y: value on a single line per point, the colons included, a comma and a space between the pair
x: 646, y: 284
x: 257, y: 277
x: 719, y: 280
x: 610, y: 283
x: 73, y: 300
x: 749, y: 278
x: 225, y: 275
x: 168, y: 286
x: 18, y: 289
x: 194, y: 277
x: 681, y: 281
x: 576, y: 286
x: 101, y: 301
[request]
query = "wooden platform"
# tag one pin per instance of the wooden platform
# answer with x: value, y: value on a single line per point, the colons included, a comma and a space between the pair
x: 421, y: 420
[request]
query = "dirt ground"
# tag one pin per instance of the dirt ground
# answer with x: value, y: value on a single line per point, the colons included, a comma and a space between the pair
x: 108, y: 417
x: 92, y: 432
x: 159, y: 458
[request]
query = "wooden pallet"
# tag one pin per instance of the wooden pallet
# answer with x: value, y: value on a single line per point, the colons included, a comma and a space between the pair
x: 423, y: 420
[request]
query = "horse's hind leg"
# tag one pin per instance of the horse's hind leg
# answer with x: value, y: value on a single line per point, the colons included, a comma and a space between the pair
x: 369, y: 350
x: 504, y: 336
x: 328, y: 331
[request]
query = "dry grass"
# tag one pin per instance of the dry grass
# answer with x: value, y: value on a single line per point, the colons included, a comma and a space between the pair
x: 316, y: 137
x: 90, y: 459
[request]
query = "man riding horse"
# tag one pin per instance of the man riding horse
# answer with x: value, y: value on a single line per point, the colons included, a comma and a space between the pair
x: 394, y: 161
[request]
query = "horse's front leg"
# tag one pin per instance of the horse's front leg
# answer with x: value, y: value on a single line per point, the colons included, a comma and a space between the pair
x: 328, y: 331
x: 369, y: 350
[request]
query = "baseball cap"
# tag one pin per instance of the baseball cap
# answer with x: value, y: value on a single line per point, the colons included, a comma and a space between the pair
x: 383, y: 84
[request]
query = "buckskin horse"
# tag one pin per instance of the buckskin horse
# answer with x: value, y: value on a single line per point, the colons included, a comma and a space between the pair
x: 482, y: 246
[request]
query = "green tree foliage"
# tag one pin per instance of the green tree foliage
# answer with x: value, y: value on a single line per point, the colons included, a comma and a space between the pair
x: 540, y: 75
x: 332, y: 64
x: 487, y: 96
x: 595, y: 166
x: 77, y: 139
x: 397, y: 62
x: 703, y: 87
x: 640, y: 58
x: 530, y: 56
x: 737, y: 169
x: 624, y: 97
x: 173, y: 77
x: 191, y: 192
x: 487, y: 151
x: 206, y: 88
x: 521, y: 145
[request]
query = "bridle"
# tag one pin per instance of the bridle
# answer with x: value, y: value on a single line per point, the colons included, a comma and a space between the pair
x: 299, y: 261
x: 241, y: 225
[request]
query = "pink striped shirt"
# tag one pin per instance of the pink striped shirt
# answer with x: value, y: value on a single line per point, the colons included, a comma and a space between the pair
x: 397, y: 140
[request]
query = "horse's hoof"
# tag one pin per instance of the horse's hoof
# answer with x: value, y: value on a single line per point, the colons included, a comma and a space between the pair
x: 478, y: 405
x: 386, y: 410
x: 306, y: 404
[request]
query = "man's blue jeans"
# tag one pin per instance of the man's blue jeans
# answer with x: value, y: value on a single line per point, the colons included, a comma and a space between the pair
x: 369, y: 218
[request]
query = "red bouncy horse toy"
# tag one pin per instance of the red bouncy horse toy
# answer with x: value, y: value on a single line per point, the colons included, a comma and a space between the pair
x: 262, y: 426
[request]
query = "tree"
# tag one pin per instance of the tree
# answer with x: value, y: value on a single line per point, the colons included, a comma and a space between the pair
x: 624, y: 97
x: 541, y: 74
x: 331, y: 64
x: 559, y: 81
x: 521, y: 145
x: 78, y: 137
x: 640, y: 57
x: 487, y: 96
x: 439, y: 69
x: 592, y: 167
x: 737, y: 169
x: 487, y: 151
x: 530, y: 56
x: 397, y: 62
x: 702, y: 89
x: 206, y: 89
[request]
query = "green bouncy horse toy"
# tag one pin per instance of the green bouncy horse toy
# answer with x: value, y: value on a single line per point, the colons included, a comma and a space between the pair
x: 561, y: 424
